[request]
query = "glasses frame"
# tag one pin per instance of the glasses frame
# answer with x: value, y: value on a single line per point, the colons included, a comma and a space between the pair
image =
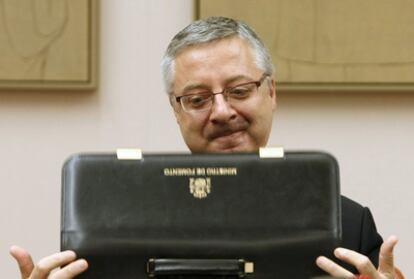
x: 225, y: 91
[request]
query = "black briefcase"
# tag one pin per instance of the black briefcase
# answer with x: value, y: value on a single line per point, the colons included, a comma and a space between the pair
x: 201, y: 216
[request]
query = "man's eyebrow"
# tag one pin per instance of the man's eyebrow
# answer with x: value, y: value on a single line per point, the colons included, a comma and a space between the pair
x: 195, y: 86
x: 207, y: 88
x: 239, y: 78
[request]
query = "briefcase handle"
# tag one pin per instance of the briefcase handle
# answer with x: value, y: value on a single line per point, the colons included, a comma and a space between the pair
x: 212, y: 267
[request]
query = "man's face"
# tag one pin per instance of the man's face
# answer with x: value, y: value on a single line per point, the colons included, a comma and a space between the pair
x: 225, y: 127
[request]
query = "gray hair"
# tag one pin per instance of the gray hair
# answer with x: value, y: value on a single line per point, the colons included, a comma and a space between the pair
x: 208, y: 30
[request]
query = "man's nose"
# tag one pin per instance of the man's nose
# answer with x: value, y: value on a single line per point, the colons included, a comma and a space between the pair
x: 221, y: 110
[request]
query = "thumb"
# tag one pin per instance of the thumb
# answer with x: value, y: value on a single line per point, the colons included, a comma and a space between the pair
x: 386, y: 256
x: 24, y: 260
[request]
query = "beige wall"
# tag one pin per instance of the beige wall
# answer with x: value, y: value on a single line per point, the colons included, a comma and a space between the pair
x: 372, y: 137
x: 370, y: 134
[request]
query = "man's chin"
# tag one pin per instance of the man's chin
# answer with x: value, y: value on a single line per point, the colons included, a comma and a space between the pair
x: 239, y: 142
x: 232, y: 150
x: 241, y: 148
x: 236, y: 142
x: 231, y: 147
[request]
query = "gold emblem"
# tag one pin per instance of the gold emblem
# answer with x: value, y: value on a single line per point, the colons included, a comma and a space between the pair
x: 200, y: 187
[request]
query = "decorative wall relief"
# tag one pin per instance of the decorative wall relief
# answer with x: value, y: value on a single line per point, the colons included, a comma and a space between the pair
x: 325, y: 44
x: 48, y: 44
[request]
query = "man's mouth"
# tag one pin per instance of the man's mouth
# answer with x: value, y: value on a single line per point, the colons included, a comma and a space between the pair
x: 227, y: 136
x: 225, y: 133
x: 229, y: 140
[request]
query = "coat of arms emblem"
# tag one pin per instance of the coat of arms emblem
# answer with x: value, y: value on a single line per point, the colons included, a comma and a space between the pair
x: 200, y: 187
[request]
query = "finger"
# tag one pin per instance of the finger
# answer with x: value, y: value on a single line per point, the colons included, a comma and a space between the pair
x: 43, y: 268
x: 24, y: 260
x: 71, y: 270
x: 332, y: 268
x: 361, y: 262
x: 386, y: 256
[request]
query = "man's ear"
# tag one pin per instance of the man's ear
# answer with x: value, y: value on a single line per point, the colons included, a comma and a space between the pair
x: 272, y: 92
x: 177, y: 118
x: 175, y: 108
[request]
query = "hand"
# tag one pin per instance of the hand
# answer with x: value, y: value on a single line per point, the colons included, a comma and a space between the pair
x: 386, y: 269
x: 45, y: 266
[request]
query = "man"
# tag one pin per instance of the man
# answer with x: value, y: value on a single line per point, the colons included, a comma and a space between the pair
x: 219, y: 79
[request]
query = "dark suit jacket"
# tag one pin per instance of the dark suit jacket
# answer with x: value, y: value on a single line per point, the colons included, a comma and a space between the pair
x: 359, y: 232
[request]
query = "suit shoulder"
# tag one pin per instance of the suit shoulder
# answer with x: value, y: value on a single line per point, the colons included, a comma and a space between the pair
x: 359, y: 232
x: 351, y: 207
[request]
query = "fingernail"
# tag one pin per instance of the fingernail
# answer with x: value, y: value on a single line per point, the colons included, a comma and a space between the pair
x: 393, y: 238
x: 15, y: 248
x: 81, y: 264
x: 320, y: 260
x: 69, y: 253
x: 340, y: 252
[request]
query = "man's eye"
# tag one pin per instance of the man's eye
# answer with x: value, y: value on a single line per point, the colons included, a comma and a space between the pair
x: 240, y: 92
x: 196, y: 101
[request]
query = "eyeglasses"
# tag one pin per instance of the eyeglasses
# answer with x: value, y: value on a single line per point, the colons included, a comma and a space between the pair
x: 204, y: 100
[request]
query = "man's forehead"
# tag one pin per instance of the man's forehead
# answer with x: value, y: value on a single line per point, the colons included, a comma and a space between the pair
x: 214, y: 64
x: 232, y: 45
